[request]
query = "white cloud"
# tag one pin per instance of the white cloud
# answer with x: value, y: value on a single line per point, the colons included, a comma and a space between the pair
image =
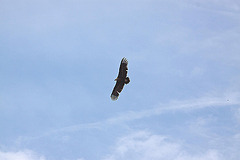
x: 144, y: 146
x: 20, y: 155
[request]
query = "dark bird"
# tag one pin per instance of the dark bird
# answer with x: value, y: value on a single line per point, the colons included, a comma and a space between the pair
x: 122, y: 79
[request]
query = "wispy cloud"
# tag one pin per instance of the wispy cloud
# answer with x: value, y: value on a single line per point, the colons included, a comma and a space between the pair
x: 223, y: 6
x: 185, y: 105
x: 20, y: 155
x: 237, y: 114
x: 226, y: 100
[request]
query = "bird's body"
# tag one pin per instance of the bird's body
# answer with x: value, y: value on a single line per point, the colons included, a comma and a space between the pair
x: 121, y: 80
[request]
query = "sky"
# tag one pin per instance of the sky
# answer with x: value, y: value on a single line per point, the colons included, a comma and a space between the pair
x: 59, y: 59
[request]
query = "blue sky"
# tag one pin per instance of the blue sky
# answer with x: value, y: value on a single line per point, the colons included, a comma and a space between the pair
x: 59, y: 59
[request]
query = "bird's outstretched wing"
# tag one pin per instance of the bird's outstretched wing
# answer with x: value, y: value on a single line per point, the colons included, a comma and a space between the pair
x: 116, y: 90
x: 123, y: 68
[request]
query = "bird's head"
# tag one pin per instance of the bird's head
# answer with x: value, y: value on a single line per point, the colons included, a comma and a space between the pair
x: 116, y: 79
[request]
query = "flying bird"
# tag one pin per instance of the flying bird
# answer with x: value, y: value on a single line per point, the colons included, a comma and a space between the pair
x: 122, y: 79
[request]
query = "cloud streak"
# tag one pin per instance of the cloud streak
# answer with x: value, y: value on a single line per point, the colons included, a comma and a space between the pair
x: 188, y: 105
x: 20, y: 155
x: 227, y: 100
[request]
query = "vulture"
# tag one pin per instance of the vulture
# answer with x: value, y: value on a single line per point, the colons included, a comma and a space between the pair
x: 121, y: 80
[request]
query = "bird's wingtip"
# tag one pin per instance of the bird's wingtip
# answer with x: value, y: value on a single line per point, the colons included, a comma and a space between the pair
x: 113, y: 97
x: 124, y: 60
